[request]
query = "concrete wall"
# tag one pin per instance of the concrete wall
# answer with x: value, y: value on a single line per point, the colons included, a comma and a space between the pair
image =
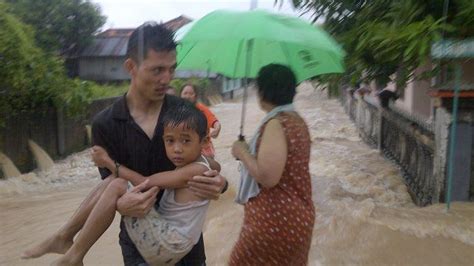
x: 416, y: 99
x: 58, y: 134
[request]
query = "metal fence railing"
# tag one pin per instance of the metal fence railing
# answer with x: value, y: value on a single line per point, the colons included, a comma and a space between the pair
x: 403, y: 138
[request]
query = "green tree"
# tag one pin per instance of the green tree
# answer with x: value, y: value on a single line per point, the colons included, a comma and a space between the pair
x: 386, y: 37
x: 29, y: 78
x: 62, y: 27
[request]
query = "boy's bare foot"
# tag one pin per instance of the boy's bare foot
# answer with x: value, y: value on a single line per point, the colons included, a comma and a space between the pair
x: 54, y: 244
x: 64, y: 261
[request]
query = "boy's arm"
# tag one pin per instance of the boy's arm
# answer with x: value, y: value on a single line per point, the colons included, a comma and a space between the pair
x: 102, y: 137
x: 177, y: 178
x: 169, y: 179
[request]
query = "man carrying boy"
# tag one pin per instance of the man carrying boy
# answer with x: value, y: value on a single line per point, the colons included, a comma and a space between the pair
x: 131, y: 131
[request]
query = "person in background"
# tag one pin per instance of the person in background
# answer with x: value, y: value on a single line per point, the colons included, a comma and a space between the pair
x: 189, y: 92
x: 275, y: 185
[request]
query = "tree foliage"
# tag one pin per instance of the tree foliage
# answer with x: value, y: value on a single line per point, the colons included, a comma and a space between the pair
x: 386, y: 37
x: 61, y: 26
x: 29, y: 78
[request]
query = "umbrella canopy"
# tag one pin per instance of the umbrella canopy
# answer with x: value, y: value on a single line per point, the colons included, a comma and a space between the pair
x: 237, y: 44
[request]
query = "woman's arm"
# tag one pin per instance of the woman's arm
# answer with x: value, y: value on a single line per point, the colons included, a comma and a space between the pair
x: 272, y: 154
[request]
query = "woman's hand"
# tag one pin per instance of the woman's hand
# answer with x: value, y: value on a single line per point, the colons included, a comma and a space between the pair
x: 238, y: 148
x: 101, y: 158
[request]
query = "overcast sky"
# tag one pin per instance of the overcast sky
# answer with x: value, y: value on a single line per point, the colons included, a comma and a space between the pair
x: 132, y: 13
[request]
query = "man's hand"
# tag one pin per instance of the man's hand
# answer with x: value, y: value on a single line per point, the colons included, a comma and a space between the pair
x: 138, y: 201
x: 208, y: 186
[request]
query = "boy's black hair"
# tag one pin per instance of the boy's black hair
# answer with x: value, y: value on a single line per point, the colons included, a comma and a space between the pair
x: 149, y: 35
x: 188, y: 114
x: 276, y: 84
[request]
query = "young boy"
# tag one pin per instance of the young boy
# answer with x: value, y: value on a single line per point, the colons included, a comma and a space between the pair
x: 165, y: 235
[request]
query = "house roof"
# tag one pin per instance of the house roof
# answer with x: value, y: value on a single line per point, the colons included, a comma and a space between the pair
x: 113, y: 42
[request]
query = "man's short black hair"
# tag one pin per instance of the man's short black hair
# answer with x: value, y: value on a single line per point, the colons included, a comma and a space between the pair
x: 188, y: 114
x: 276, y: 84
x: 149, y: 35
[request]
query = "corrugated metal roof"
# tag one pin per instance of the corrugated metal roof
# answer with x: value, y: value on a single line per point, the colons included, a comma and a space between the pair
x: 113, y: 42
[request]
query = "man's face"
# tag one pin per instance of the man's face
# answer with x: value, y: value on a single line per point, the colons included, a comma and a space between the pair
x: 188, y: 93
x: 182, y: 145
x: 152, y: 77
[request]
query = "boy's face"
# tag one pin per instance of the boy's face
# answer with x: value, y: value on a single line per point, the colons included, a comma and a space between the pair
x: 182, y: 145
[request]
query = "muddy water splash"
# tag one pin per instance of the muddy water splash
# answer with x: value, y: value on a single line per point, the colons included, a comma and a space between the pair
x: 7, y: 167
x: 43, y: 161
x: 75, y: 169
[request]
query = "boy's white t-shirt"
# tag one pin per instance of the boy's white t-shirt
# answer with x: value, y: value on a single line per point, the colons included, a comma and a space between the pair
x: 188, y: 218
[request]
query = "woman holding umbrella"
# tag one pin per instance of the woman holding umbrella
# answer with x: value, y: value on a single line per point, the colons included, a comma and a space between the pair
x: 275, y: 186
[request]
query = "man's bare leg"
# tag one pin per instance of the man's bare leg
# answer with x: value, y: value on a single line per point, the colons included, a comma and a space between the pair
x: 99, y: 220
x: 62, y: 240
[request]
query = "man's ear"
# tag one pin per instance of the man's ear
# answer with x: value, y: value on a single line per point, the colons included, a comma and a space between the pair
x: 130, y: 66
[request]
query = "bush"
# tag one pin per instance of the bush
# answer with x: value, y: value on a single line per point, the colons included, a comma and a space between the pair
x: 31, y: 79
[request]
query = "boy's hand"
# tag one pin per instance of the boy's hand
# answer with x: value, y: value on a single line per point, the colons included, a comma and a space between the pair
x: 208, y: 186
x: 101, y: 157
x: 138, y: 201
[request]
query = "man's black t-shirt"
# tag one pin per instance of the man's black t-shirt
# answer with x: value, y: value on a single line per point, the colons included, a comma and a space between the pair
x: 115, y: 130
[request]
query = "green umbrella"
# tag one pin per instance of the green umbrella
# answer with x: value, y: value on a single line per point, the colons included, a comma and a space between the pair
x: 237, y: 44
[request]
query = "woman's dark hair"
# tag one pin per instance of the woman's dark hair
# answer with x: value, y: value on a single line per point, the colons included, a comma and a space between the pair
x: 186, y: 113
x: 149, y: 35
x: 276, y: 84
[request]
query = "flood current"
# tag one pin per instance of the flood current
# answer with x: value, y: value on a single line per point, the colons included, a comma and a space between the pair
x: 364, y: 212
